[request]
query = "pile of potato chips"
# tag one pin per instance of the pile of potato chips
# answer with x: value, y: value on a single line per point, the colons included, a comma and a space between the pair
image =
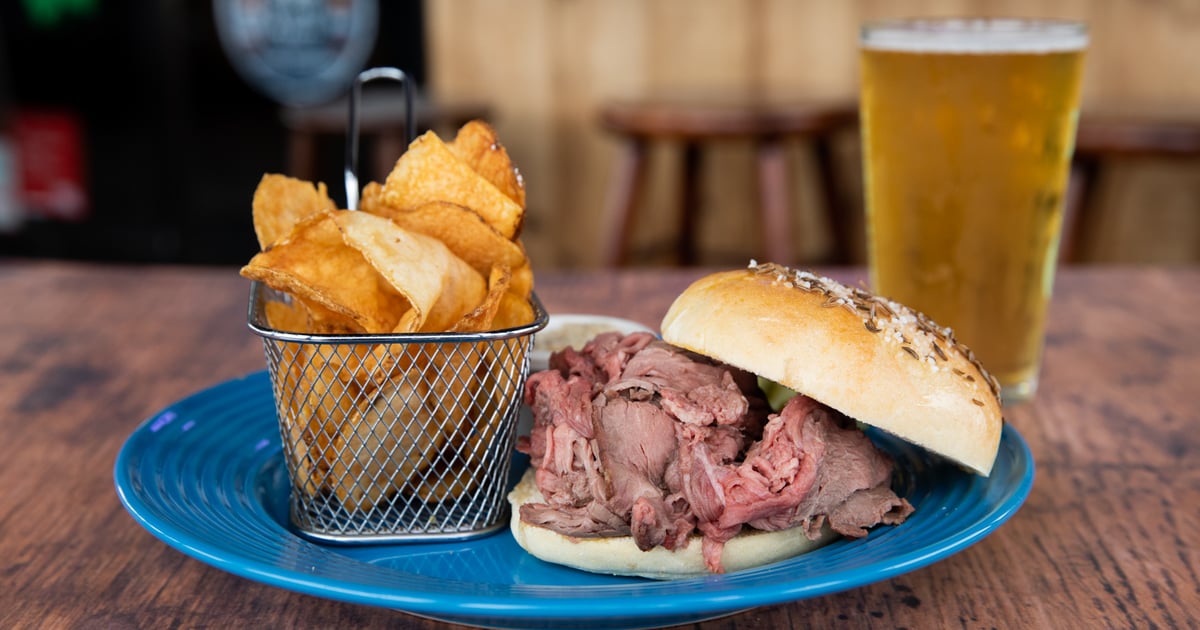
x: 435, y: 248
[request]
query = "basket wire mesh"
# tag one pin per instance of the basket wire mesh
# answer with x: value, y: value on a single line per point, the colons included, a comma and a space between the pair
x: 397, y: 437
x: 394, y: 437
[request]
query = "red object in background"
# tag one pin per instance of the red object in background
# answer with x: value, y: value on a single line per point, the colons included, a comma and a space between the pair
x: 50, y: 162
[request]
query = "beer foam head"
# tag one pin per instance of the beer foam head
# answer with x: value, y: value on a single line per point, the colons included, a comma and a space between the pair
x: 975, y: 36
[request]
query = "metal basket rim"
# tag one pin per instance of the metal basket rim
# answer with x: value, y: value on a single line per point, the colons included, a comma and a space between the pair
x: 540, y: 319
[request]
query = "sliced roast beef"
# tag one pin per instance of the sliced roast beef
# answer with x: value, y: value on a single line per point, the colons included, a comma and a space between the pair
x: 633, y: 436
x: 867, y: 508
x: 591, y: 519
x: 636, y: 441
x: 778, y: 471
x: 696, y: 390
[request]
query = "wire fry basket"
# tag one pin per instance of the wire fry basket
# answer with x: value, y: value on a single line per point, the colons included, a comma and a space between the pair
x: 394, y: 437
x: 397, y: 437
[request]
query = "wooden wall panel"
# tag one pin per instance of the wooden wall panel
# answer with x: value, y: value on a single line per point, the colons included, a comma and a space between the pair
x: 545, y: 66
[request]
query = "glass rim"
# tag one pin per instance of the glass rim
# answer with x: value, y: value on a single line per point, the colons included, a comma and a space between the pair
x: 975, y: 34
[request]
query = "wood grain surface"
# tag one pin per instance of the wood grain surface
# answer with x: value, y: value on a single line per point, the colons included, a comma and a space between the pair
x: 1110, y: 535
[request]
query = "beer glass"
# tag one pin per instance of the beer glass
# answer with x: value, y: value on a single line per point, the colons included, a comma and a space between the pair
x: 968, y: 129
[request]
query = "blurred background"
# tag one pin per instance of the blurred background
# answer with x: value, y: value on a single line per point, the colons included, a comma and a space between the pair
x: 136, y: 130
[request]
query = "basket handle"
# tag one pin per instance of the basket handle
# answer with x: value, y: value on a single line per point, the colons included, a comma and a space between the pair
x: 410, y: 124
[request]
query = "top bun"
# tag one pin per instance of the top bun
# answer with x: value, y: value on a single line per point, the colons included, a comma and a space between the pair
x: 870, y: 358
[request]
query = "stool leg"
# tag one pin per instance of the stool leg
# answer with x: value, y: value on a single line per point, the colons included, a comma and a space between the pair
x: 839, y: 223
x: 302, y: 154
x: 624, y: 191
x: 689, y: 205
x: 1081, y: 192
x: 773, y: 201
x: 388, y: 149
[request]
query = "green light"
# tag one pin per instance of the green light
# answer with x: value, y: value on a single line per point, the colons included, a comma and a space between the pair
x: 49, y: 13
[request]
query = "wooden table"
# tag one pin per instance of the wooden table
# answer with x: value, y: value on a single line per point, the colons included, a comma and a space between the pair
x: 1109, y: 537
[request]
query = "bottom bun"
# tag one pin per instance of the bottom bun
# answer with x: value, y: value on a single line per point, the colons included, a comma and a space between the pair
x: 620, y: 555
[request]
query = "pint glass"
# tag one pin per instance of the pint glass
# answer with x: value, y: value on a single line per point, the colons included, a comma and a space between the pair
x: 968, y: 130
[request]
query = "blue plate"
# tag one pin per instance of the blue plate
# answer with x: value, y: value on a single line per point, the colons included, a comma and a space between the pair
x: 206, y: 476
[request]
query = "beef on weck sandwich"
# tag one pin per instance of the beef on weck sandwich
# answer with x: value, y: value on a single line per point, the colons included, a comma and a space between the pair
x: 663, y: 458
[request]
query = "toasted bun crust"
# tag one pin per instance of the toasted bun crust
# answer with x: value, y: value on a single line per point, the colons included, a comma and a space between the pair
x: 870, y: 358
x: 620, y: 555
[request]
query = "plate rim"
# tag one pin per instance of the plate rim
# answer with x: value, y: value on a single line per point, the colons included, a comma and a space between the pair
x: 464, y: 608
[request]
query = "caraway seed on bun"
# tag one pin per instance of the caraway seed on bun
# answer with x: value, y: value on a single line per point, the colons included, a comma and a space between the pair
x: 870, y: 358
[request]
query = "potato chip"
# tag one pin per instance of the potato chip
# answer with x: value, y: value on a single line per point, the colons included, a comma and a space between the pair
x: 315, y: 404
x: 460, y: 229
x: 457, y: 387
x: 298, y: 451
x: 439, y: 286
x: 514, y: 311
x: 315, y: 265
x: 300, y: 316
x: 394, y: 438
x: 428, y: 171
x: 293, y: 391
x: 288, y: 317
x: 281, y: 202
x: 478, y: 146
x: 457, y: 465
x: 481, y: 318
x: 333, y: 398
x: 371, y: 200
x: 323, y: 321
x: 488, y: 390
x: 522, y: 280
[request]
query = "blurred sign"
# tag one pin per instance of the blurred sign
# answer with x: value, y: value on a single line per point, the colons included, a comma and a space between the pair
x: 50, y: 163
x: 298, y: 52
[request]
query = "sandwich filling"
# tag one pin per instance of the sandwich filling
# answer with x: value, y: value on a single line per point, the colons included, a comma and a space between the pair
x: 635, y: 437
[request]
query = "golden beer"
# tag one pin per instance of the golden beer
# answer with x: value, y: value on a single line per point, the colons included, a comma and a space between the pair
x: 968, y: 130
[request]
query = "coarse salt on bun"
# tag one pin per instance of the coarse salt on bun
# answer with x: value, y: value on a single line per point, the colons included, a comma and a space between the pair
x: 870, y: 358
x: 619, y: 555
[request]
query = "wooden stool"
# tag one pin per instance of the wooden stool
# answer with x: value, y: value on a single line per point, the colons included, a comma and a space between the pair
x: 639, y: 124
x: 1101, y: 139
x: 381, y: 117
